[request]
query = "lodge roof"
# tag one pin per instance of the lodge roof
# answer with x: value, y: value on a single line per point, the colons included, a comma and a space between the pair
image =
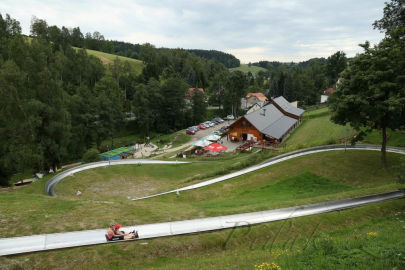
x: 280, y: 127
x: 287, y: 107
x: 270, y: 121
x: 275, y: 118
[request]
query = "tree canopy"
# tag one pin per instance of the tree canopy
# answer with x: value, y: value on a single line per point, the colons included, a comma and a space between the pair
x: 58, y: 102
x: 394, y: 16
x: 372, y: 93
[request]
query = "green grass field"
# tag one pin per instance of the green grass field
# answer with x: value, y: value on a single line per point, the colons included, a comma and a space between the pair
x: 253, y: 69
x: 21, y: 176
x: 315, y: 113
x: 107, y: 59
x: 318, y: 129
x: 311, y: 179
x: 395, y: 138
x: 315, y: 178
x: 369, y: 237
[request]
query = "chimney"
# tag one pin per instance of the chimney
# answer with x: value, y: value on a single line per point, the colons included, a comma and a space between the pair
x: 264, y: 112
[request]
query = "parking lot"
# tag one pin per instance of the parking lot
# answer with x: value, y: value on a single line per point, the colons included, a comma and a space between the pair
x: 205, y: 132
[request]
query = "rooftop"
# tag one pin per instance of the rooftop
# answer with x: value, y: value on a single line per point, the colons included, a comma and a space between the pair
x: 259, y: 96
x: 286, y: 106
x: 270, y: 121
x: 329, y: 91
x: 190, y: 92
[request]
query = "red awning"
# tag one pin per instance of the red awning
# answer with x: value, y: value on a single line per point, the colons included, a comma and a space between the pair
x: 216, y: 147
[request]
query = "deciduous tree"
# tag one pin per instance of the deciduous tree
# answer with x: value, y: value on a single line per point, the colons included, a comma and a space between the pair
x: 372, y: 93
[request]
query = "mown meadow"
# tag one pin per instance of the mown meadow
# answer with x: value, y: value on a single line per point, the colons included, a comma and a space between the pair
x: 369, y: 236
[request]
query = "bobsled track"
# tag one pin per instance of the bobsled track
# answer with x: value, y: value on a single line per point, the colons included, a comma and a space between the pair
x: 24, y: 244
x: 16, y: 245
x: 278, y: 159
x: 50, y: 185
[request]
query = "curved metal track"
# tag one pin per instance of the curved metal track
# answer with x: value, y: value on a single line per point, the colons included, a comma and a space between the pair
x: 50, y: 185
x: 17, y: 245
x: 43, y: 242
x: 275, y: 160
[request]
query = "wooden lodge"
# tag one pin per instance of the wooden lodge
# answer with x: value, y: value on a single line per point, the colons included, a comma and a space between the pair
x: 273, y: 122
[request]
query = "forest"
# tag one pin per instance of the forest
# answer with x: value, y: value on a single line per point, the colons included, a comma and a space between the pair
x: 96, y: 41
x: 59, y: 102
x: 303, y: 81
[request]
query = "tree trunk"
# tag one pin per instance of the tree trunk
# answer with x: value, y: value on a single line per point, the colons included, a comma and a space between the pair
x: 383, y: 147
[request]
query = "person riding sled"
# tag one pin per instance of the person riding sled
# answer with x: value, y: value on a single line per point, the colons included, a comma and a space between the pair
x: 113, y: 233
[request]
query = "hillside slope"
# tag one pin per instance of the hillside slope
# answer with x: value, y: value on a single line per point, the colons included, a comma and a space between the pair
x: 108, y: 58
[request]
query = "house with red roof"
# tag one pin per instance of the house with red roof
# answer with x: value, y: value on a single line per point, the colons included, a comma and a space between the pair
x: 255, y: 98
x: 190, y: 93
x: 326, y: 94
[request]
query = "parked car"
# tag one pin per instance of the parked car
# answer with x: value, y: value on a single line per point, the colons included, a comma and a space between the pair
x: 215, y: 121
x: 195, y: 128
x: 230, y: 117
x: 218, y: 132
x: 211, y: 123
x: 190, y: 131
x: 224, y: 128
x: 202, y: 126
x: 218, y: 119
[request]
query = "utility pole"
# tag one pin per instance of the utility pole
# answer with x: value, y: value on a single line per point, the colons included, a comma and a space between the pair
x: 347, y: 130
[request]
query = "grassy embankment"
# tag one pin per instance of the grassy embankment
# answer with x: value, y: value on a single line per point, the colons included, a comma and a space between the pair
x: 310, y: 179
x: 341, y: 239
x: 317, y: 129
x: 396, y: 138
x: 370, y: 237
x: 107, y: 58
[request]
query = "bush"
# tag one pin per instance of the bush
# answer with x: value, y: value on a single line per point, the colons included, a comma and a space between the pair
x: 331, y: 141
x: 91, y: 155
